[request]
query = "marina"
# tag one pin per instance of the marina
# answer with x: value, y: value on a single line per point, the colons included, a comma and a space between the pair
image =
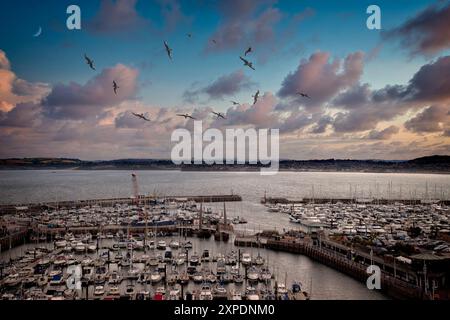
x: 212, y: 247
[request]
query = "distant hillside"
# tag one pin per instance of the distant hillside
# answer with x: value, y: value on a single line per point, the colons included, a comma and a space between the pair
x: 431, y: 164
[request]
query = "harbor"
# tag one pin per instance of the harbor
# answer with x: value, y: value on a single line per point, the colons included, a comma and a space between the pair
x: 156, y: 248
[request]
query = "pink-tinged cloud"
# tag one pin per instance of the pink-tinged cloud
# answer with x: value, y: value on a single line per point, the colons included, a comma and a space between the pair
x: 426, y: 33
x: 321, y: 78
x: 75, y: 101
x: 116, y: 16
x: 14, y: 90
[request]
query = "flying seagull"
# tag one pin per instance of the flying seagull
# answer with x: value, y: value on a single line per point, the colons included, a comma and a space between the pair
x: 219, y: 115
x: 235, y: 103
x: 168, y: 50
x: 141, y: 116
x: 248, y: 51
x: 247, y: 63
x: 255, y: 97
x: 189, y: 35
x: 115, y: 87
x: 214, y: 41
x: 186, y: 116
x: 304, y: 95
x: 89, y: 62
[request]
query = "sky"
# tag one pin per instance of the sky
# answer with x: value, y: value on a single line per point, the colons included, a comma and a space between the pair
x: 374, y: 94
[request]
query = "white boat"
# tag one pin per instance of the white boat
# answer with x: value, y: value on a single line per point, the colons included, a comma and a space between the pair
x: 99, y: 290
x: 155, y: 277
x: 161, y: 245
x: 174, y: 244
x: 246, y: 259
x: 60, y: 244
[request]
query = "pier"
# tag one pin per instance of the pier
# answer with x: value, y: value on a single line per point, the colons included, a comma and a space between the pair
x: 282, y: 200
x: 396, y: 281
x: 34, y: 207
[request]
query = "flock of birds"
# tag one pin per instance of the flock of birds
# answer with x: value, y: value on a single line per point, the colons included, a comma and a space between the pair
x: 169, y: 52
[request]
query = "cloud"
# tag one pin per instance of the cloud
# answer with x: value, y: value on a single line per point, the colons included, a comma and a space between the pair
x: 321, y: 78
x: 426, y: 33
x: 23, y: 115
x: 244, y: 22
x: 225, y: 85
x: 431, y: 119
x: 259, y: 115
x: 75, y: 101
x: 14, y: 90
x: 116, y: 16
x: 362, y: 108
x: 384, y: 134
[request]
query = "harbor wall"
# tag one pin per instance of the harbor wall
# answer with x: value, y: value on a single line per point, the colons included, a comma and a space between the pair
x: 393, y: 287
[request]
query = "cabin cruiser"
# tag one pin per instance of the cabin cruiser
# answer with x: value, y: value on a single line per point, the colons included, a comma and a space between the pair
x: 205, y: 256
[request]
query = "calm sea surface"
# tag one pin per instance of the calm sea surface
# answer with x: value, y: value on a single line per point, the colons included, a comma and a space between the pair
x: 45, y: 185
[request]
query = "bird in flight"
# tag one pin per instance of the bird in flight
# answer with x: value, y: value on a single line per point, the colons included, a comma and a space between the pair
x: 247, y: 63
x: 214, y: 41
x: 255, y: 97
x: 304, y: 95
x: 189, y: 35
x: 218, y: 114
x: 115, y: 87
x: 235, y: 103
x: 248, y: 51
x: 168, y: 50
x: 186, y: 116
x: 141, y: 116
x: 89, y: 62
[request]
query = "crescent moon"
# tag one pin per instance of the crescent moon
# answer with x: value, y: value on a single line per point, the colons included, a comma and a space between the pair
x: 37, y: 34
